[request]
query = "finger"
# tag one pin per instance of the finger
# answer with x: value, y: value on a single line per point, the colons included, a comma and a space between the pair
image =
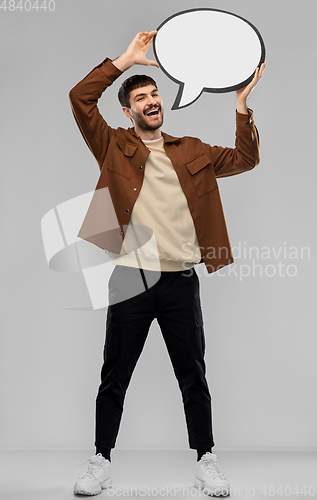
x: 140, y: 37
x: 145, y: 36
x: 263, y: 66
x: 146, y: 41
x: 254, y: 79
x: 258, y: 73
x: 152, y: 63
x: 257, y: 76
x: 149, y: 39
x: 141, y: 34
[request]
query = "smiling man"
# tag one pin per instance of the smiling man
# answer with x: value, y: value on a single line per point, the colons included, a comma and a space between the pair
x: 167, y: 184
x: 144, y: 106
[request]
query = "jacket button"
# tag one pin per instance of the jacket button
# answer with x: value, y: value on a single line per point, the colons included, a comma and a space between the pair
x: 127, y: 210
x: 141, y: 166
x: 134, y: 189
x: 121, y: 232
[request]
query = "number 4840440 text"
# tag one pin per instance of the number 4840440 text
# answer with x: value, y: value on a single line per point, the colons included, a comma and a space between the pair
x: 27, y: 5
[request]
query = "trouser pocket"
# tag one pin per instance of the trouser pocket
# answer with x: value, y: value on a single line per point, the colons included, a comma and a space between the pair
x: 112, y: 341
x: 199, y: 343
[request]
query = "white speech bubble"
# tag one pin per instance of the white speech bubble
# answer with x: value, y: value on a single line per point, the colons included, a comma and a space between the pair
x: 207, y: 50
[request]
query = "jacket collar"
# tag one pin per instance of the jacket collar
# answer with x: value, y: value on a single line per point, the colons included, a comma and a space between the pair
x: 167, y: 137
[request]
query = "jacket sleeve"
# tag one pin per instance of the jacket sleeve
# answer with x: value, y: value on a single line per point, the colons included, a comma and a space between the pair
x: 83, y: 99
x: 245, y: 155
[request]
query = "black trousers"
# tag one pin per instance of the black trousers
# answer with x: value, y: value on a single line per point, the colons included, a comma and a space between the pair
x: 175, y: 301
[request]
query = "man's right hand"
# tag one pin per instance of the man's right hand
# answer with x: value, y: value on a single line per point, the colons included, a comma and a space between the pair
x: 136, y: 52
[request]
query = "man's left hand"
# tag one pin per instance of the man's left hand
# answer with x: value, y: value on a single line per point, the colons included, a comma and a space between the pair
x: 243, y: 94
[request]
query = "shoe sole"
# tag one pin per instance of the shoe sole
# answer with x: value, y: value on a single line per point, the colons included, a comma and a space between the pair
x: 87, y: 493
x: 216, y: 491
x: 106, y: 484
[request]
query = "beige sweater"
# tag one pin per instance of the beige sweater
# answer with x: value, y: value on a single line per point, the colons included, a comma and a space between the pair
x: 161, y: 233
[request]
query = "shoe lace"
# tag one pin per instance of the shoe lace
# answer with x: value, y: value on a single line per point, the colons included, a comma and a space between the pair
x: 92, y: 468
x: 214, y: 470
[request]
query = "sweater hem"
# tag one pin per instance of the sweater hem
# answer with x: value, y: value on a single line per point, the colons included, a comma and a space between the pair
x: 154, y: 264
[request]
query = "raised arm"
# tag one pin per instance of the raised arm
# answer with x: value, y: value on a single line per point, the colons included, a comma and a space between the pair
x: 84, y: 96
x: 246, y: 154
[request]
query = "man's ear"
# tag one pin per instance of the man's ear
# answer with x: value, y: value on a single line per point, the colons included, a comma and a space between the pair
x: 127, y: 112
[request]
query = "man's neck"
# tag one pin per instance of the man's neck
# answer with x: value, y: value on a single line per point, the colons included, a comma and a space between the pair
x: 148, y: 135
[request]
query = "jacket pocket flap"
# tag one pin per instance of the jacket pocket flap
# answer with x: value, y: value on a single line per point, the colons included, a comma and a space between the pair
x: 127, y: 148
x: 198, y: 163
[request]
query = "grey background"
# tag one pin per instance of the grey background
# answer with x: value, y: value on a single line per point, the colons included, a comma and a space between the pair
x: 260, y: 331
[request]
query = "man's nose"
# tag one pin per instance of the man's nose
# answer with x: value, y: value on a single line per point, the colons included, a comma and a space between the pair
x: 151, y: 100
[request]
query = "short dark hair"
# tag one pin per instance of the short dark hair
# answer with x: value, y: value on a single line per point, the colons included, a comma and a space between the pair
x: 131, y: 83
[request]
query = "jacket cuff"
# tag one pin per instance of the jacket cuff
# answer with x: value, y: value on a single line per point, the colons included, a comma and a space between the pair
x: 109, y: 69
x: 243, y: 119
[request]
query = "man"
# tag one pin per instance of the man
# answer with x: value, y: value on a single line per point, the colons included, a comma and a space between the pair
x: 168, y: 185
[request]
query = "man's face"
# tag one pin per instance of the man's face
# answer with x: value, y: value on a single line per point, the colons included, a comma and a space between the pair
x: 146, y: 108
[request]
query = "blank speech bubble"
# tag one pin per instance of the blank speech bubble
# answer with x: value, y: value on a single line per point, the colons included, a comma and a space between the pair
x: 207, y: 50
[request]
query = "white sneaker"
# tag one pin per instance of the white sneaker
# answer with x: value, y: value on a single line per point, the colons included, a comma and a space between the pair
x: 209, y: 477
x: 96, y: 477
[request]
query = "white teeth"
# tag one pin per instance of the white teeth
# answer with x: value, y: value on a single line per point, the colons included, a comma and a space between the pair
x: 155, y: 111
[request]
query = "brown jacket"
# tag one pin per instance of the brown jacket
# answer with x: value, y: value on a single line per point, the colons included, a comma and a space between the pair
x: 121, y: 156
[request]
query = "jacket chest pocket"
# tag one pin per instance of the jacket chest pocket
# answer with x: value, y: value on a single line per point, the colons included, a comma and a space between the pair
x: 202, y: 174
x: 121, y: 167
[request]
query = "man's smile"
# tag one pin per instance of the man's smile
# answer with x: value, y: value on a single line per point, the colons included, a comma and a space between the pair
x: 154, y: 111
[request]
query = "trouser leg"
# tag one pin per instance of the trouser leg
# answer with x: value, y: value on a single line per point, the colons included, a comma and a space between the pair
x: 181, y: 322
x: 127, y: 326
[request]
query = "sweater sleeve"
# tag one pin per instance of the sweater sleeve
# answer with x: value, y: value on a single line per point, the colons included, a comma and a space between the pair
x: 84, y: 98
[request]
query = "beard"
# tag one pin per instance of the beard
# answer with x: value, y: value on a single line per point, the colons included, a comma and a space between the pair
x: 145, y: 123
